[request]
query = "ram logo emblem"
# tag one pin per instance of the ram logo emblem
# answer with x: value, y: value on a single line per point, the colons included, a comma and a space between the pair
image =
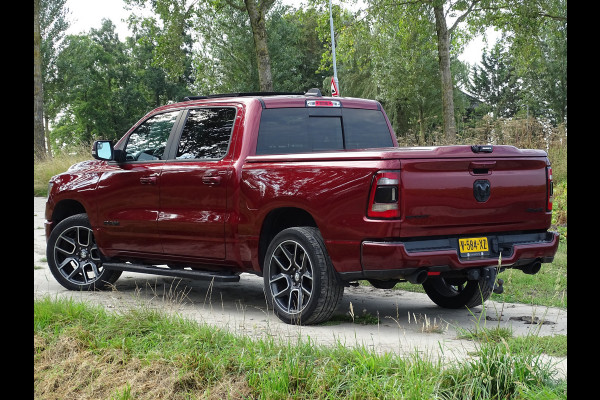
x: 481, y: 190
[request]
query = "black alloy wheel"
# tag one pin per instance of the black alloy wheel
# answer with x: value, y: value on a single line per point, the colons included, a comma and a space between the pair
x: 74, y: 258
x: 299, y: 278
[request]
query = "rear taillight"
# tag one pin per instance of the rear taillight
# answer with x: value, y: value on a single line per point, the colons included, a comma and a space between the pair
x: 549, y: 189
x: 384, y: 197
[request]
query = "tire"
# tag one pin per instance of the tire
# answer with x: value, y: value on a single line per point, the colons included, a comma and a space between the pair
x: 299, y: 281
x: 457, y: 293
x: 74, y: 258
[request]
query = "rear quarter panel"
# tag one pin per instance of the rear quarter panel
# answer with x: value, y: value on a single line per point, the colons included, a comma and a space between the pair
x: 334, y: 193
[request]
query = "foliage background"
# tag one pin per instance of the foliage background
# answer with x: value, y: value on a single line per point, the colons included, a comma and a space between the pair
x: 97, y: 84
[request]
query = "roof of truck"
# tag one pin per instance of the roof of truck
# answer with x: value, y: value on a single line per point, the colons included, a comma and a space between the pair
x: 290, y: 99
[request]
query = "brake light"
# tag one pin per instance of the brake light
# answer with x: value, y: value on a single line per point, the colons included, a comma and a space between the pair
x: 549, y: 189
x: 384, y: 201
x: 323, y: 103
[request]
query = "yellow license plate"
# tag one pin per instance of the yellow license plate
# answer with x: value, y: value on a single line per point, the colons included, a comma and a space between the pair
x: 473, y: 246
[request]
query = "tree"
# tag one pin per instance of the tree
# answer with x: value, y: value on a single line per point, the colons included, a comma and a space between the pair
x: 295, y: 49
x: 53, y: 25
x: 97, y: 88
x: 442, y: 11
x: 536, y: 32
x: 257, y: 11
x: 39, y: 147
x: 387, y: 54
x: 226, y: 61
x: 177, y: 18
x: 149, y: 83
x: 496, y: 83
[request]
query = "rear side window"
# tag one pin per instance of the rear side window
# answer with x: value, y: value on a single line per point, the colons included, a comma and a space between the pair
x: 206, y: 133
x: 295, y: 130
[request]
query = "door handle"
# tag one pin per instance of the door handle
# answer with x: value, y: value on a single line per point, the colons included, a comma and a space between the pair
x: 148, y: 180
x: 211, y: 180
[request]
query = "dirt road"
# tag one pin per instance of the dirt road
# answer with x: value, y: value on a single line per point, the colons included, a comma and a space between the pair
x: 241, y: 308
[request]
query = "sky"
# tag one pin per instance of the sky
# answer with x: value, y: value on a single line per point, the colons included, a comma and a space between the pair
x: 86, y: 14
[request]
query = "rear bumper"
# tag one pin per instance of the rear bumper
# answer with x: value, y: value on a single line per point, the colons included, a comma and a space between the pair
x: 396, y: 259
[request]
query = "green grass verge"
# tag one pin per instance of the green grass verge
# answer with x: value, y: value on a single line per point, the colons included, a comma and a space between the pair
x: 85, y: 352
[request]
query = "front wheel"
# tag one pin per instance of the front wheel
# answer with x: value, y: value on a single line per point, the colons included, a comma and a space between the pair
x: 299, y: 278
x: 74, y: 257
x: 459, y: 292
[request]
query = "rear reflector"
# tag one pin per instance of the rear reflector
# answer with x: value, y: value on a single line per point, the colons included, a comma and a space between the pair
x: 384, y: 201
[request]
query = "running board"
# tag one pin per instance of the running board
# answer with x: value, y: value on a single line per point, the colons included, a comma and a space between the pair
x: 166, y: 271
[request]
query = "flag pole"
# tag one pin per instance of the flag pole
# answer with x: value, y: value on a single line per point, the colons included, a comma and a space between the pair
x: 337, y: 85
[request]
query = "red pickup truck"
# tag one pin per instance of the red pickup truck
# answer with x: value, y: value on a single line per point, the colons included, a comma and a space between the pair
x: 310, y: 192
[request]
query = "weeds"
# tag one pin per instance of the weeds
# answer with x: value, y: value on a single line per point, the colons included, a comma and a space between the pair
x: 426, y: 325
x: 85, y: 352
x: 498, y: 373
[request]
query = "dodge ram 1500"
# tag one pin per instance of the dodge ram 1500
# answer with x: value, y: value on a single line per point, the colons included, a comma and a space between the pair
x: 312, y: 193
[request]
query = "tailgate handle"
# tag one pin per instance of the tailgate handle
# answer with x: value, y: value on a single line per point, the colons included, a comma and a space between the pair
x: 481, y: 167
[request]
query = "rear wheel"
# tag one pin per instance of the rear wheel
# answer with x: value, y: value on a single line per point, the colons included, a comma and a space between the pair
x: 74, y: 257
x: 299, y: 279
x: 459, y: 292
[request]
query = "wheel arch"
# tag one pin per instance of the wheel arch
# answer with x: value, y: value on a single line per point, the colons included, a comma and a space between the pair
x: 67, y: 208
x: 278, y: 220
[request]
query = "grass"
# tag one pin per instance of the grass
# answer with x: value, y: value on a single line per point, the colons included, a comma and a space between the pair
x: 83, y: 351
x: 43, y: 170
x: 551, y: 345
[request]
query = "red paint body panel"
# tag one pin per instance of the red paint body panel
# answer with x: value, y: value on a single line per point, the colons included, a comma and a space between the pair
x: 121, y: 196
x: 211, y: 212
x: 193, y: 209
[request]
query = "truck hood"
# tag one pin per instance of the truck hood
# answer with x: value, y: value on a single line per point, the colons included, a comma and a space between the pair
x: 87, y: 164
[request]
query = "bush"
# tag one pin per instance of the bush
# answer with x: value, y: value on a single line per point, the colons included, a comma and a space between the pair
x: 527, y: 133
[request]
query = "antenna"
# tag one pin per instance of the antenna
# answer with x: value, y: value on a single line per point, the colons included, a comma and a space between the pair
x: 335, y: 78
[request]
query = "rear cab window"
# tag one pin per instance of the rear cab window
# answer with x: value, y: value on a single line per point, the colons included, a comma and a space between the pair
x: 304, y: 130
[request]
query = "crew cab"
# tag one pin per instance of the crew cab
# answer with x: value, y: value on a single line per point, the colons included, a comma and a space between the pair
x: 312, y: 193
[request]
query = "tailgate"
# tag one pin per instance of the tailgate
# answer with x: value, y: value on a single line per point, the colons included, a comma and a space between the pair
x: 452, y: 191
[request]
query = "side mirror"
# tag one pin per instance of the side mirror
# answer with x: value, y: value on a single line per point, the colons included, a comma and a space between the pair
x: 102, y: 150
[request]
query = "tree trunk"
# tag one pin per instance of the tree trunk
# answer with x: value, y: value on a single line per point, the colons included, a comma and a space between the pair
x: 443, y: 38
x: 257, y: 12
x: 39, y: 147
x: 47, y: 134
